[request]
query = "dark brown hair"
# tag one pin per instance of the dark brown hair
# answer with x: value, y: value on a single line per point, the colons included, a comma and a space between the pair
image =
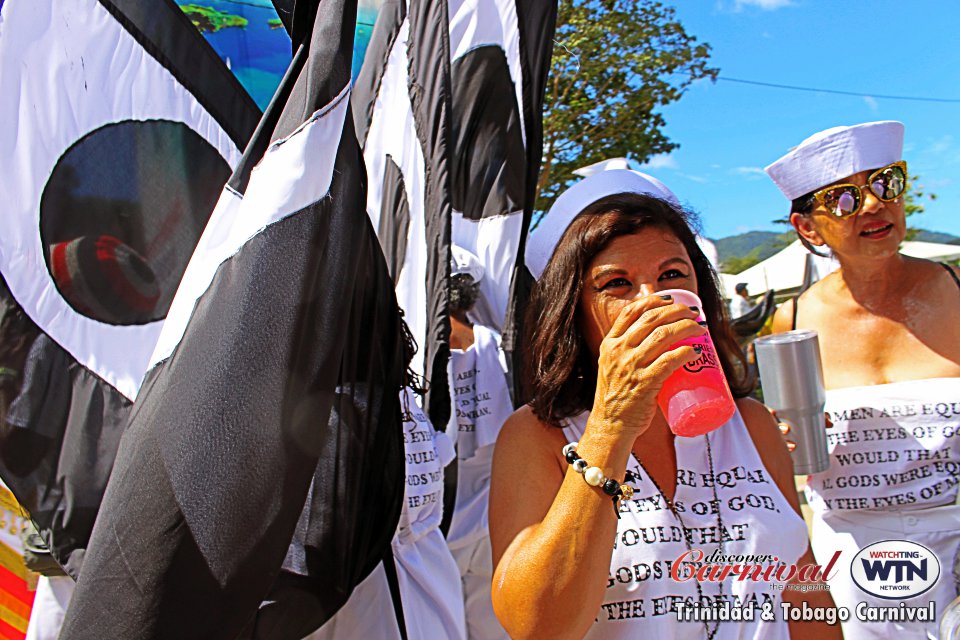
x: 804, y: 205
x: 560, y: 373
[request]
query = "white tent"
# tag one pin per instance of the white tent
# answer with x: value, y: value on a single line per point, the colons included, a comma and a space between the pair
x: 784, y: 271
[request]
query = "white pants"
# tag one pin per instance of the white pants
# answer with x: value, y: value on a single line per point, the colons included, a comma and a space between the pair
x: 476, y: 573
x: 49, y: 607
x: 937, y: 528
x: 432, y: 606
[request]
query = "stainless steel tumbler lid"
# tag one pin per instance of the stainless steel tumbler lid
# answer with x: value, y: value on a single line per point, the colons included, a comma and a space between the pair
x: 791, y: 371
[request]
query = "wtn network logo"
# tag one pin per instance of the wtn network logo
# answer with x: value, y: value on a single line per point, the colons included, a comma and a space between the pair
x: 895, y: 569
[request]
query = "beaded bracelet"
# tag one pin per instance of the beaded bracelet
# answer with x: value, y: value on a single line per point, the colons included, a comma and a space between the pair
x: 594, y: 477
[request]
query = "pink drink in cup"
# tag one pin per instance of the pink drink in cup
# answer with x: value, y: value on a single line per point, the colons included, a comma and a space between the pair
x: 696, y: 398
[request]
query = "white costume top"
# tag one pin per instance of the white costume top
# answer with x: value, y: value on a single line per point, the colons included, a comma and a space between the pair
x: 754, y: 518
x: 428, y: 576
x: 739, y: 306
x: 481, y: 404
x: 894, y: 472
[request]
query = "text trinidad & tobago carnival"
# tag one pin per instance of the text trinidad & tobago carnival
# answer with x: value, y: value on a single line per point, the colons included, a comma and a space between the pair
x: 717, y: 567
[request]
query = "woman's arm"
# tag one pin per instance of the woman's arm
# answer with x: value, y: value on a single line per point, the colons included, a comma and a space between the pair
x: 775, y: 457
x: 552, y: 534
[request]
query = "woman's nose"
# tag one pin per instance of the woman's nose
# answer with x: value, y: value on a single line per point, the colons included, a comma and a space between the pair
x: 871, y: 203
x: 647, y: 289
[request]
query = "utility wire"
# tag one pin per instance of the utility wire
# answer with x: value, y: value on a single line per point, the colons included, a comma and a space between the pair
x: 837, y: 91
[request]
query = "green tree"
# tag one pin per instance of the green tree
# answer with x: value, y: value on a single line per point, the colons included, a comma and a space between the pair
x: 913, y: 201
x: 736, y: 264
x: 614, y: 64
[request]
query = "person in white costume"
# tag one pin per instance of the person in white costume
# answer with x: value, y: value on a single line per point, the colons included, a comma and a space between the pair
x: 481, y: 403
x: 427, y: 574
x: 740, y: 303
x: 889, y: 361
x: 600, y: 344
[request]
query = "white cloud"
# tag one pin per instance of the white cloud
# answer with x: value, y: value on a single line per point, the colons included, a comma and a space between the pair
x: 871, y: 103
x: 751, y: 173
x: 699, y: 179
x: 942, y: 145
x: 765, y: 5
x: 661, y: 161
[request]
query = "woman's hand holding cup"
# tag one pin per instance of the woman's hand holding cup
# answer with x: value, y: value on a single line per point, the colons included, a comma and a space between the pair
x: 637, y: 355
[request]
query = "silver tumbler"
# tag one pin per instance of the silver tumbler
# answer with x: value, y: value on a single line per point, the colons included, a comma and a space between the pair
x: 792, y: 378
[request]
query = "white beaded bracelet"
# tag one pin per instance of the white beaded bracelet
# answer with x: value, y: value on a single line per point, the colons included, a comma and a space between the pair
x: 594, y: 477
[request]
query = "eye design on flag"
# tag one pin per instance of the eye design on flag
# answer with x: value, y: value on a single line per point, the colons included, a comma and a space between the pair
x: 121, y: 214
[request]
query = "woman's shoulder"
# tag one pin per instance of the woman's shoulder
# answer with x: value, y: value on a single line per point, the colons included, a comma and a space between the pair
x: 527, y: 440
x: 524, y: 428
x: 821, y: 295
x: 927, y: 269
x: 759, y: 421
x: 765, y: 433
x: 767, y: 440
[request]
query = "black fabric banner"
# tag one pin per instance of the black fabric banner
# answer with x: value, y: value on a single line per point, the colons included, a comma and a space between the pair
x: 116, y: 219
x: 367, y: 86
x: 428, y: 52
x: 536, y: 22
x: 271, y: 436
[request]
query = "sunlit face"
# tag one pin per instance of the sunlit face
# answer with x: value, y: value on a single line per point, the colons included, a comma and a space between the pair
x: 876, y: 230
x: 651, y: 260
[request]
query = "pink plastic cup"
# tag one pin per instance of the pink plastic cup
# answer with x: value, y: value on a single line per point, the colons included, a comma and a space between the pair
x: 696, y: 398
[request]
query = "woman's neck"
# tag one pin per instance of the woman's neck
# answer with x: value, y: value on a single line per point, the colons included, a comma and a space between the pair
x: 874, y: 281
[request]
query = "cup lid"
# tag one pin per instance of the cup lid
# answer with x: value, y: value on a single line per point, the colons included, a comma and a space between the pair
x: 683, y: 296
x: 796, y: 335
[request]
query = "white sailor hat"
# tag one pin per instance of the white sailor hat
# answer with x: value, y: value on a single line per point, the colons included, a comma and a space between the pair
x: 835, y: 154
x: 462, y: 261
x: 543, y: 240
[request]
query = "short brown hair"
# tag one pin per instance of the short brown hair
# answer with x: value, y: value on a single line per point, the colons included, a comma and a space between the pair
x: 560, y: 373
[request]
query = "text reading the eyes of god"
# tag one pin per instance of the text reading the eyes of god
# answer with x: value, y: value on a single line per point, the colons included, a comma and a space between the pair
x: 902, y: 453
x: 424, y: 478
x: 670, y: 604
x: 469, y: 404
x: 739, y: 491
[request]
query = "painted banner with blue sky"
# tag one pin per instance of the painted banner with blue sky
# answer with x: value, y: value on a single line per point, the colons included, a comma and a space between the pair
x: 249, y: 37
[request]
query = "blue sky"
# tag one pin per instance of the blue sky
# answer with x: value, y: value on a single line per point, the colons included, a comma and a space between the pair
x: 729, y: 131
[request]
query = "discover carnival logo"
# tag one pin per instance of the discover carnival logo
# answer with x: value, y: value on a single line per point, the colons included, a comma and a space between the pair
x: 895, y: 569
x: 892, y: 569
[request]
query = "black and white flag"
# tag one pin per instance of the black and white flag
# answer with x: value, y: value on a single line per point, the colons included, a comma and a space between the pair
x: 119, y: 126
x: 500, y: 52
x: 275, y: 385
x: 453, y: 143
x: 402, y: 105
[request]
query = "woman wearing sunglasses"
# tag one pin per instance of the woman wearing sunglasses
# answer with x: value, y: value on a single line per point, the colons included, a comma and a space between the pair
x: 890, y: 346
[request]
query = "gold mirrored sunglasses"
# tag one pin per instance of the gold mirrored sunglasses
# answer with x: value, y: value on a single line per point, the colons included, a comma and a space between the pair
x: 886, y: 184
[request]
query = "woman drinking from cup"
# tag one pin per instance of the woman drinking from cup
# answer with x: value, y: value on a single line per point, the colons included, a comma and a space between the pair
x: 891, y: 358
x: 605, y: 335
